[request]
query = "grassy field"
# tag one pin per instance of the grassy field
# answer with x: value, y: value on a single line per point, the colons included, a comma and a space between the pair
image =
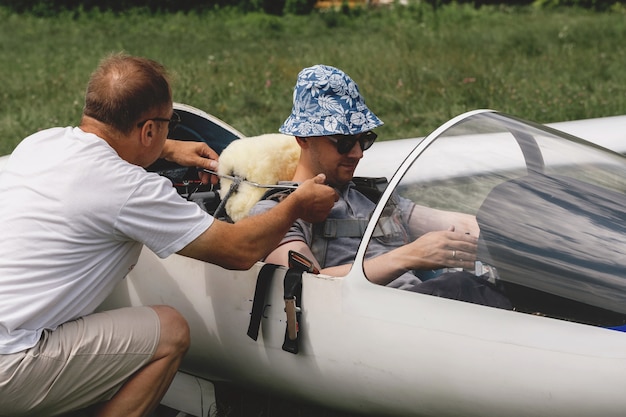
x: 416, y: 67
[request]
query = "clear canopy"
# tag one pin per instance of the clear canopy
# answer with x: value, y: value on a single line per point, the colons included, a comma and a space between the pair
x: 551, y: 210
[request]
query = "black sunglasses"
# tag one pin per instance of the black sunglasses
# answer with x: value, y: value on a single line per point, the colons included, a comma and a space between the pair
x: 345, y: 143
x: 172, y: 122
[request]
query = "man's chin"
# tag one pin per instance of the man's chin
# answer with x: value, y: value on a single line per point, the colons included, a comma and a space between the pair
x: 343, y: 180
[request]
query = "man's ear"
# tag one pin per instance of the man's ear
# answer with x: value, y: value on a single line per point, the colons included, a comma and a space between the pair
x: 302, y: 142
x: 147, y: 133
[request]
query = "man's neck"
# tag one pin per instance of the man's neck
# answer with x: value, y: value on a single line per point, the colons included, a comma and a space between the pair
x: 111, y: 136
x: 302, y: 173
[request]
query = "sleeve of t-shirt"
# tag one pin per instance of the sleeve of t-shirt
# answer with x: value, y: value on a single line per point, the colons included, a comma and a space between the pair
x: 158, y: 217
x: 406, y: 208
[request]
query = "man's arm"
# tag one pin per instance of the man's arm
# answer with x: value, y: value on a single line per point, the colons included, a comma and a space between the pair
x: 240, y: 245
x: 280, y: 255
x: 433, y: 250
x: 381, y: 270
x: 425, y: 219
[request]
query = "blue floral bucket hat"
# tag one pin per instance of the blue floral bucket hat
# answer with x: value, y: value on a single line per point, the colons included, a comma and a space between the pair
x: 326, y: 101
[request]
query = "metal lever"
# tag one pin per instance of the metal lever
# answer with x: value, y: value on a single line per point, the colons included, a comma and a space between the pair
x: 251, y: 183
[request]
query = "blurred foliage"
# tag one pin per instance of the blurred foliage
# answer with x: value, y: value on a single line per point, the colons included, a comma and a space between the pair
x: 274, y: 7
x: 51, y: 7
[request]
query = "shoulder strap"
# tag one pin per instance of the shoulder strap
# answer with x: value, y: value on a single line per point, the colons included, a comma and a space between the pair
x: 319, y: 244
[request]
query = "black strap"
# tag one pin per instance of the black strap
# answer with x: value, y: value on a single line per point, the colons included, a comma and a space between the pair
x: 371, y: 187
x: 293, y: 296
x: 258, y: 303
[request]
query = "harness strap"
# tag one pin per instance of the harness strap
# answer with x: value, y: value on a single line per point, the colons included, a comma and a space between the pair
x: 220, y: 211
x: 343, y: 228
x: 263, y: 282
x: 372, y: 188
x: 321, y: 233
x: 334, y: 228
x: 293, y: 299
x: 319, y: 244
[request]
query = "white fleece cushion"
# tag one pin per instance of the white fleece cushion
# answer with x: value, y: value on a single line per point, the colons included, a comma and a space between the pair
x: 264, y: 159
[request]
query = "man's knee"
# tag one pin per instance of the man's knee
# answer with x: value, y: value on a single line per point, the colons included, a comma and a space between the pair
x: 174, y: 330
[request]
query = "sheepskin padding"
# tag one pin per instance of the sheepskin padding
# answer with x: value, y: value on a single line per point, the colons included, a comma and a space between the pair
x: 264, y: 159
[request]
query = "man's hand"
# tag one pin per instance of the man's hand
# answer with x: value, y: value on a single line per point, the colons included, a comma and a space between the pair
x: 315, y: 199
x: 192, y: 154
x: 441, y: 249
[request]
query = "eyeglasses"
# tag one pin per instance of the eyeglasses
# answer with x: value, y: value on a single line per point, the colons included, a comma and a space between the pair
x: 345, y: 143
x: 172, y: 122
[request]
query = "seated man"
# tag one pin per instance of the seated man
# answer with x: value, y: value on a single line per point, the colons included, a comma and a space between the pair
x: 333, y: 127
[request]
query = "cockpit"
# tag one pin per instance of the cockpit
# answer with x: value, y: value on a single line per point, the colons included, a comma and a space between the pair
x: 551, y: 207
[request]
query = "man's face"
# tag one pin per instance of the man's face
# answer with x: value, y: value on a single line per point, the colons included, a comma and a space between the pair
x: 337, y: 156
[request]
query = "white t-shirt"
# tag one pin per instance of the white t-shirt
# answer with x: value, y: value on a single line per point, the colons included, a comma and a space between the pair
x: 73, y: 219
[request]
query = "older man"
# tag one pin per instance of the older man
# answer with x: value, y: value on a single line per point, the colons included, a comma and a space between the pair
x: 77, y: 207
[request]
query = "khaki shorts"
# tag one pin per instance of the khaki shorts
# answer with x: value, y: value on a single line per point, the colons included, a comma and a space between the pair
x: 80, y: 363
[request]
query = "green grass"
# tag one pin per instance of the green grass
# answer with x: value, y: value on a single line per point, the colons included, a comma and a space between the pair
x: 416, y: 68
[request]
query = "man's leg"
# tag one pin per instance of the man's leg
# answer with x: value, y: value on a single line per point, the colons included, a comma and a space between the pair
x: 143, y: 391
x: 96, y: 359
x: 464, y: 286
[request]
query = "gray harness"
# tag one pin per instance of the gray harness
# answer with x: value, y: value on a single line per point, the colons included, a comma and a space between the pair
x: 323, y: 232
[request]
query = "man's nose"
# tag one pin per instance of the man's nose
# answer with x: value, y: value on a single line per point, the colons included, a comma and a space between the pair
x: 356, y: 151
